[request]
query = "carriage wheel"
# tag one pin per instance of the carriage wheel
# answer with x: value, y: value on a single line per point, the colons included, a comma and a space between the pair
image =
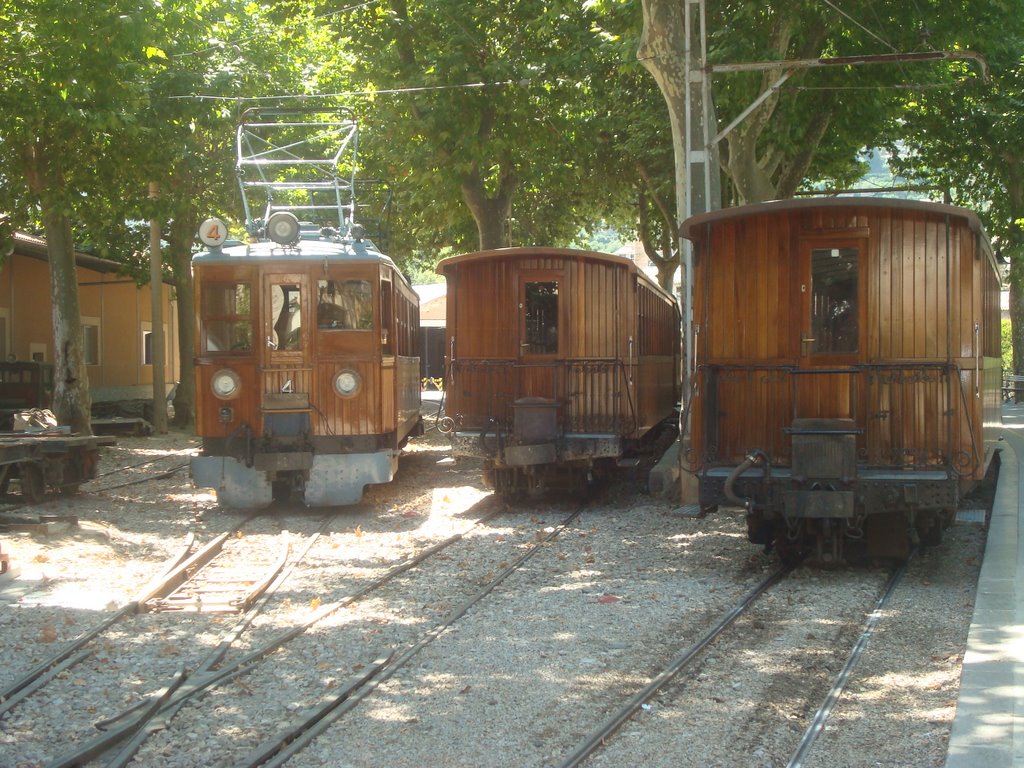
x: 31, y: 481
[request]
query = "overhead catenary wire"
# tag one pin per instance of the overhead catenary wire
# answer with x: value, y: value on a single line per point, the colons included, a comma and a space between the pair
x: 349, y: 94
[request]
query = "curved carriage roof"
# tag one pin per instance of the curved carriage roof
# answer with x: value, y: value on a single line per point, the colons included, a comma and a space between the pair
x: 690, y: 229
x: 353, y: 252
x: 547, y: 252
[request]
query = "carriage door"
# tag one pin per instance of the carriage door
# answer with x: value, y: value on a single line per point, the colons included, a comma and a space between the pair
x: 832, y: 328
x: 286, y: 377
x: 541, y: 334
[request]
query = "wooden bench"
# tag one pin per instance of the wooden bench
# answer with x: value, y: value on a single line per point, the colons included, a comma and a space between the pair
x: 1013, y: 387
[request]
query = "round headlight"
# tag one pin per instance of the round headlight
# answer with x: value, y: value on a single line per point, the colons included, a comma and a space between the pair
x: 347, y: 383
x: 283, y: 228
x: 225, y: 384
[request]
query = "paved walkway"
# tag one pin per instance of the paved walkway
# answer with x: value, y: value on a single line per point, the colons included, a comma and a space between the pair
x: 988, y: 731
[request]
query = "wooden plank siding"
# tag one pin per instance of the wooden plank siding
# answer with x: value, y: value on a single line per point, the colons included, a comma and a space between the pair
x: 912, y: 386
x: 616, y: 370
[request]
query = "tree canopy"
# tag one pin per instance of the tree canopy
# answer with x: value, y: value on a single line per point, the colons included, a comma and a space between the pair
x: 522, y: 121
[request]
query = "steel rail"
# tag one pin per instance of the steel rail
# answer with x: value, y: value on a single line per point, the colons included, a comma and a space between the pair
x: 12, y: 694
x: 313, y: 728
x: 97, y: 746
x: 236, y: 595
x: 821, y: 716
x: 612, y: 724
x: 163, y: 717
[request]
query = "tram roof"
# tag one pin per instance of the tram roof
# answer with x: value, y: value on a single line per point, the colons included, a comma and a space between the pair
x: 690, y: 229
x: 305, y: 251
x: 539, y: 252
x: 546, y: 252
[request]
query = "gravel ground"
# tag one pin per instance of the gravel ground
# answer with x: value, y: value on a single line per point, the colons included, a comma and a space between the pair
x: 524, y: 675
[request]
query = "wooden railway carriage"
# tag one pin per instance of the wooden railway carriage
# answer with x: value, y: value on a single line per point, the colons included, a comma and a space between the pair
x: 557, y: 360
x: 848, y: 360
x: 307, y: 359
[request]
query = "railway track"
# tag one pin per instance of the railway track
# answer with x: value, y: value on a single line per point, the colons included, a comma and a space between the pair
x: 610, y: 726
x: 708, y: 701
x: 129, y: 730
x: 184, y: 580
x: 825, y: 710
x: 572, y: 627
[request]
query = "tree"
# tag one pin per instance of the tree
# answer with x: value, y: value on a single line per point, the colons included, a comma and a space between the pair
x: 236, y: 52
x: 965, y: 138
x: 491, y: 117
x: 813, y: 126
x: 72, y: 89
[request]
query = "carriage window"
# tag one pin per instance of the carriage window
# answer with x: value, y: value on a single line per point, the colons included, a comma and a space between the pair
x: 345, y: 305
x: 834, y: 300
x: 227, y: 317
x: 541, y: 317
x: 286, y: 315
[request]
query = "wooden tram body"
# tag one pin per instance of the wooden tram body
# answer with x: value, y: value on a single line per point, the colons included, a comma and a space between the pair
x: 307, y: 343
x: 557, y: 360
x: 847, y: 364
x: 288, y: 323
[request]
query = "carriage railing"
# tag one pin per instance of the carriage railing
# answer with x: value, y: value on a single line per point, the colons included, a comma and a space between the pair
x: 592, y: 395
x: 907, y: 415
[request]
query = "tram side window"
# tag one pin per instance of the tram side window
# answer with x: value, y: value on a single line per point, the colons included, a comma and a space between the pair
x: 345, y: 305
x: 227, y: 317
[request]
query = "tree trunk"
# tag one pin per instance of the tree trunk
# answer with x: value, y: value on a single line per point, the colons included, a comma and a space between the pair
x: 72, y: 400
x: 490, y: 213
x: 1014, y: 249
x: 183, y: 229
x: 661, y: 52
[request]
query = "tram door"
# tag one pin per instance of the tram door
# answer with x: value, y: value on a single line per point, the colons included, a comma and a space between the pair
x: 287, y: 370
x: 541, y: 333
x: 831, y: 338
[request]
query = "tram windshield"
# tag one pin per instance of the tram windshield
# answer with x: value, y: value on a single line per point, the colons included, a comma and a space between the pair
x: 227, y: 317
x: 345, y: 305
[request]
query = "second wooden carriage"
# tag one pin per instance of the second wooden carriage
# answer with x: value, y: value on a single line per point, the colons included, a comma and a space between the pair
x: 848, y: 361
x: 558, y: 360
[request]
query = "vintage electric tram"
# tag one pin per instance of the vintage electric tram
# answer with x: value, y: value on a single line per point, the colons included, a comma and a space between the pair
x: 847, y: 358
x: 559, y: 363
x: 307, y: 362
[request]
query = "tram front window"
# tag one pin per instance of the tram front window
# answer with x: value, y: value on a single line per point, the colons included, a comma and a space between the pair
x: 227, y: 319
x: 345, y: 305
x: 286, y: 315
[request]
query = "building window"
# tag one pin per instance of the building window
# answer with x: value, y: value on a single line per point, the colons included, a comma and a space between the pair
x: 91, y: 343
x: 147, y: 347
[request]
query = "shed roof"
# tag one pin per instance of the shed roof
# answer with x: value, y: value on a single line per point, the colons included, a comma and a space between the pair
x: 35, y: 248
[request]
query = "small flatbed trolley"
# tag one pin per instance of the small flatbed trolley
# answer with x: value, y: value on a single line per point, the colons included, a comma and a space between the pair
x: 560, y: 363
x: 307, y: 362
x: 847, y: 369
x: 52, y: 459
